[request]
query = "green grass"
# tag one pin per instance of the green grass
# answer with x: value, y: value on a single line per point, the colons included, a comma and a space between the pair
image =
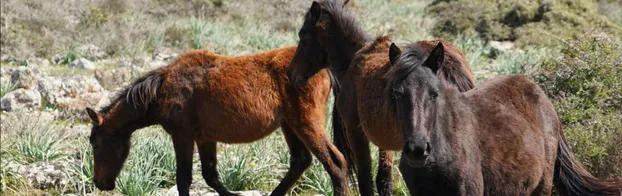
x: 6, y: 87
x: 151, y: 163
x: 37, y: 140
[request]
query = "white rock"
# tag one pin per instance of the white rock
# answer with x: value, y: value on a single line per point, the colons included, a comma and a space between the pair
x: 6, y: 58
x: 72, y: 94
x: 38, y: 63
x: 46, y: 175
x: 82, y: 63
x: 58, y: 58
x: 91, y: 52
x: 164, y: 55
x: 108, y: 98
x: 21, y: 99
x: 503, y: 46
x: 24, y: 77
x: 193, y: 192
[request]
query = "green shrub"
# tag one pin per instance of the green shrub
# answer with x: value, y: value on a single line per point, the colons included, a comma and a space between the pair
x: 519, y: 61
x: 585, y: 86
x: 528, y: 22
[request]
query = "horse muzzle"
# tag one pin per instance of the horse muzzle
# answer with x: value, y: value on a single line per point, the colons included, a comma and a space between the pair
x: 416, y: 154
x: 104, y: 185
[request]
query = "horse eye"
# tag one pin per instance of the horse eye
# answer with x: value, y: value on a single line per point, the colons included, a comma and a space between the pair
x: 396, y: 93
x: 433, y: 95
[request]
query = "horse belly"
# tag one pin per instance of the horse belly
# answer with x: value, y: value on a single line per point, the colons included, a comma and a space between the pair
x: 240, y: 111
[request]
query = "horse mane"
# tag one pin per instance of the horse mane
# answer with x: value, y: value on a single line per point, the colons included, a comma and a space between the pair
x: 454, y: 71
x: 410, y: 58
x: 343, y: 20
x: 141, y: 92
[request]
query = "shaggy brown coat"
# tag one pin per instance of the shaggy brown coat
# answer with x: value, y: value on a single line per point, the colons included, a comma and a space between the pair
x: 331, y: 36
x: 205, y: 98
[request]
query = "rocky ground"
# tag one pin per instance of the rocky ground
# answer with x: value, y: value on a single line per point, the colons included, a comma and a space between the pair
x: 69, y: 83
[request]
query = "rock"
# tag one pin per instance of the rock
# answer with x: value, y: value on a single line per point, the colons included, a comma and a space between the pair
x: 21, y: 99
x: 148, y: 63
x: 24, y: 77
x: 501, y: 46
x: 114, y: 78
x: 124, y: 63
x: 46, y: 175
x: 110, y: 96
x: 164, y: 55
x: 6, y: 58
x: 91, y: 52
x: 82, y: 63
x: 205, y: 192
x: 5, y: 74
x: 39, y: 62
x: 71, y: 94
x: 58, y: 58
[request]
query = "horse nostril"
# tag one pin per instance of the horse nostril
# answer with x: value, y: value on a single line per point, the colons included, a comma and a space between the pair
x: 416, y: 151
x: 427, y: 149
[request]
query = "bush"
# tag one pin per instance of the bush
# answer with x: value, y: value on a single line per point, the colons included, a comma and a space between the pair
x: 585, y: 86
x: 528, y: 22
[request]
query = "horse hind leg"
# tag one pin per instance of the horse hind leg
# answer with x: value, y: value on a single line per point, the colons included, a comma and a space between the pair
x: 207, y: 153
x: 300, y: 160
x: 315, y: 139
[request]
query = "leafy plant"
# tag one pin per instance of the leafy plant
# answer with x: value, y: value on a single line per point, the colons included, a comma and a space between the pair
x: 585, y: 87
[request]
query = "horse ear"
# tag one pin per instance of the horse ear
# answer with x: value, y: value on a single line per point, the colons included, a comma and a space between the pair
x: 394, y: 52
x: 316, y: 11
x: 95, y: 117
x: 436, y: 58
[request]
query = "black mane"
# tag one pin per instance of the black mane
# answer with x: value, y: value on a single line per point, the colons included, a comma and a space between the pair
x: 140, y: 93
x: 343, y: 20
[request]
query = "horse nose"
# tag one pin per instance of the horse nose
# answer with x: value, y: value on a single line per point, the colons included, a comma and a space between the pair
x: 417, y: 150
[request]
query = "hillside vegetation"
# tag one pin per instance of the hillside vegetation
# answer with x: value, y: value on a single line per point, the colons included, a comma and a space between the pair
x: 59, y: 56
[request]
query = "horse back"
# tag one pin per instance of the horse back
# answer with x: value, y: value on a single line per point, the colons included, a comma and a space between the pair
x: 234, y: 99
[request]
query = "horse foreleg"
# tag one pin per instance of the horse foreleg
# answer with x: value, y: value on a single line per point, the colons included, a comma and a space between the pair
x: 362, y: 158
x: 207, y: 153
x: 300, y: 160
x: 184, y: 148
x: 407, y: 174
x: 384, y: 178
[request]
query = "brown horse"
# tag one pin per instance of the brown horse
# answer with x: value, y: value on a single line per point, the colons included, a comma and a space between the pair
x: 501, y: 138
x: 205, y: 98
x: 331, y: 36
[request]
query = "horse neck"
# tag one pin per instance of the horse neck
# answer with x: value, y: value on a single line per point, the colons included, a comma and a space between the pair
x: 123, y: 116
x: 342, y: 50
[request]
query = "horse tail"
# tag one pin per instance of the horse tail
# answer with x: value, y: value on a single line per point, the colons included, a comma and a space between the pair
x: 572, y: 179
x: 340, y: 139
x: 143, y: 90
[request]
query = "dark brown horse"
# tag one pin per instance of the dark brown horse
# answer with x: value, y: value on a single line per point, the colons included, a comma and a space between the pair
x: 205, y: 98
x: 501, y: 138
x: 331, y: 36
